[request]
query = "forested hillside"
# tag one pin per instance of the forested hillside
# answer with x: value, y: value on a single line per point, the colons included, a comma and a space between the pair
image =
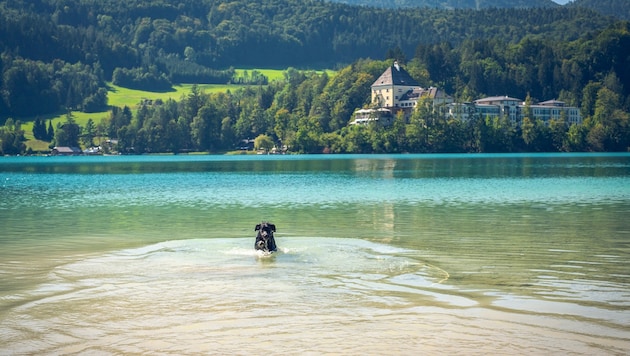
x: 59, y: 54
x: 451, y: 4
x: 616, y: 8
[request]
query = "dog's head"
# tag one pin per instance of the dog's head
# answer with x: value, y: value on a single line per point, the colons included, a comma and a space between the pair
x: 266, y: 229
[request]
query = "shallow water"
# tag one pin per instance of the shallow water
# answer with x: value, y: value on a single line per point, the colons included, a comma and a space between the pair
x: 437, y: 254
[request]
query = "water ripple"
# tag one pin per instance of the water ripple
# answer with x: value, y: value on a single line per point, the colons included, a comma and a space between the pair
x: 195, y: 296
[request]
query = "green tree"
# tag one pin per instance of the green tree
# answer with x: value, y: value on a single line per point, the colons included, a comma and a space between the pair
x: 589, y: 97
x: 417, y: 134
x: 596, y: 137
x: 607, y: 102
x: 228, y: 136
x: 11, y: 138
x: 206, y: 128
x: 282, y: 123
x: 263, y: 142
x: 500, y: 135
x: 127, y: 136
x: 307, y: 137
x: 558, y: 130
x: 527, y: 131
x: 68, y: 132
x: 396, y: 53
x: 576, y: 138
x: 39, y: 129
x: 50, y: 134
x: 173, y: 136
x: 89, y: 132
x: 356, y: 139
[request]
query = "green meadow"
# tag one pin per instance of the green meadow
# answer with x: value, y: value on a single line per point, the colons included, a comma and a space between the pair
x: 271, y: 74
x: 118, y: 96
x: 121, y: 97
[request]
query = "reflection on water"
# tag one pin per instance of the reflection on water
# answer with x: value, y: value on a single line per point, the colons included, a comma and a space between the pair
x: 378, y: 255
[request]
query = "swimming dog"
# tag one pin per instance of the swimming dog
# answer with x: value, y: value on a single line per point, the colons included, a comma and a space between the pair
x: 264, y: 239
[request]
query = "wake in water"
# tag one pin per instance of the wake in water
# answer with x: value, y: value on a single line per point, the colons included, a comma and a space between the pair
x: 209, y: 295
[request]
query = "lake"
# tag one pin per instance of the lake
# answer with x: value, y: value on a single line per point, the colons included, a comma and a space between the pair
x: 378, y: 254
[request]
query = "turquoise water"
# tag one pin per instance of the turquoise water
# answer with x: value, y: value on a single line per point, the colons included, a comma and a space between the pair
x: 473, y: 254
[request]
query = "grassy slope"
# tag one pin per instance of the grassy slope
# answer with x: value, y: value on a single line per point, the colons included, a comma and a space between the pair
x: 119, y: 96
x: 271, y: 74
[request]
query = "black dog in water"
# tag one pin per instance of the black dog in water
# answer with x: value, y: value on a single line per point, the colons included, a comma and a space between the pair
x: 264, y: 238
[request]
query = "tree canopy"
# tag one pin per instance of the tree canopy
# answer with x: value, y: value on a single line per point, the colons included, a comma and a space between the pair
x: 60, y: 54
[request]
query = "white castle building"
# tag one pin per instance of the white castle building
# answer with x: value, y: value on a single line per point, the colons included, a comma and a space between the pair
x: 396, y: 91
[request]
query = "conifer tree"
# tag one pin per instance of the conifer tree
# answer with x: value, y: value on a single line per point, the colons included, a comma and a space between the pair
x: 51, y: 132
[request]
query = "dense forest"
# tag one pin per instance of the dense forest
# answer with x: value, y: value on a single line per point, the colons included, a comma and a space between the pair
x: 451, y: 4
x: 60, y: 54
x: 616, y: 8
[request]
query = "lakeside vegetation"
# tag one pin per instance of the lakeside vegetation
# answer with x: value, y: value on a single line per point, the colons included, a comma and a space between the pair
x: 120, y: 97
x: 302, y: 113
x: 61, y: 53
x: 125, y: 97
x: 99, y: 60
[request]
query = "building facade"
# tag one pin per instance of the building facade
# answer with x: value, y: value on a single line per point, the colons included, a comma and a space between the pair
x: 555, y: 110
x: 515, y: 110
x: 396, y: 91
x: 391, y: 88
